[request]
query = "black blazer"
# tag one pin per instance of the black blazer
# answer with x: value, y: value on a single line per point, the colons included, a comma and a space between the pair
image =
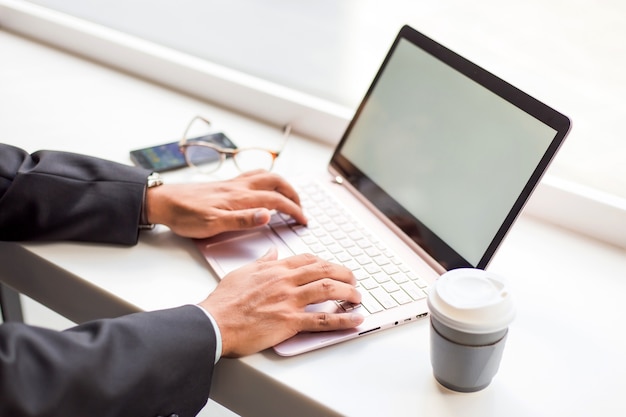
x: 144, y: 364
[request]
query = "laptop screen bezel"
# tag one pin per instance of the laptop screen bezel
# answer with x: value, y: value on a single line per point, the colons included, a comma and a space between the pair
x: 412, y: 227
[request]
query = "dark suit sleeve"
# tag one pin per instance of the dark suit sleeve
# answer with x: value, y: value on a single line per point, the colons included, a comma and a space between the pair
x: 145, y: 364
x: 64, y: 196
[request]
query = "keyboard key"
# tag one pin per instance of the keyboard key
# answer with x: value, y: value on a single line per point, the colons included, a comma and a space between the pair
x: 346, y: 243
x: 395, y: 261
x: 360, y: 274
x: 372, y: 269
x: 313, y: 211
x: 363, y: 259
x: 370, y: 303
x: 317, y: 248
x: 310, y: 240
x: 391, y: 286
x: 348, y: 228
x: 363, y: 243
x: 327, y: 256
x: 381, y: 277
x: 343, y: 257
x: 334, y: 248
x: 400, y: 278
x: 401, y: 297
x: 355, y: 235
x: 301, y: 230
x: 352, y: 265
x: 381, y: 260
x: 383, y: 298
x: 421, y: 283
x: 347, y: 305
x: 413, y: 291
x: 369, y: 283
x: 338, y: 235
x: 390, y: 269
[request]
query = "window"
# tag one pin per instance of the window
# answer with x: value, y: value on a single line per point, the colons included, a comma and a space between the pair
x: 279, y: 58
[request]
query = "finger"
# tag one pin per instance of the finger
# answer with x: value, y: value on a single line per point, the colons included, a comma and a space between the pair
x: 273, y: 192
x: 308, y: 268
x: 319, y: 322
x: 264, y: 180
x: 327, y: 289
x: 286, y: 189
x: 251, y: 173
x: 270, y: 255
x: 245, y: 272
x: 276, y: 201
x: 232, y: 220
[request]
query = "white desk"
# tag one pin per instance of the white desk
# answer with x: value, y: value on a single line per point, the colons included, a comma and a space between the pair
x: 565, y: 351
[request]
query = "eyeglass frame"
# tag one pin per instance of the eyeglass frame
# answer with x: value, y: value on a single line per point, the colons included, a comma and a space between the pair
x: 226, y: 152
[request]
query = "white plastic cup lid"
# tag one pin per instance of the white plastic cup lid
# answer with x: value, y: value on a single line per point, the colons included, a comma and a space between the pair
x: 471, y: 300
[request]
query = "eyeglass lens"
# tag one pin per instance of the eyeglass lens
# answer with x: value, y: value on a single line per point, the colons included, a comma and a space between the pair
x: 209, y: 159
x: 251, y: 159
x: 203, y: 157
x: 200, y: 153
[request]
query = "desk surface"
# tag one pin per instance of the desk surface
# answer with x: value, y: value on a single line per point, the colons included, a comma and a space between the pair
x: 564, y: 355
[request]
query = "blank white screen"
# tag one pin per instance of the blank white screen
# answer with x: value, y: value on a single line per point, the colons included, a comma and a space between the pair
x: 454, y: 154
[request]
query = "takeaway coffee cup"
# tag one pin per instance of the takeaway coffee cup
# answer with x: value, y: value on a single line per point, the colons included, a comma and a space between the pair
x: 470, y: 311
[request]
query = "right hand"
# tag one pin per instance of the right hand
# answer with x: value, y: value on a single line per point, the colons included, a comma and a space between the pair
x: 261, y: 304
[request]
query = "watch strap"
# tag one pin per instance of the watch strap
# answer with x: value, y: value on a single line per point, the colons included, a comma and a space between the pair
x: 153, y: 180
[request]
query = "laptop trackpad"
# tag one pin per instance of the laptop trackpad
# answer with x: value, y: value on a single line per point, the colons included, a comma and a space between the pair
x: 227, y: 255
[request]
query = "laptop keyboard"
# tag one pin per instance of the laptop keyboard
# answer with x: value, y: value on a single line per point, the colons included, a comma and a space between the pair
x: 332, y: 234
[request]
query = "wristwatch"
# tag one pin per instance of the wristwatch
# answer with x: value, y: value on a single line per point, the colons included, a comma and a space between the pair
x: 153, y: 180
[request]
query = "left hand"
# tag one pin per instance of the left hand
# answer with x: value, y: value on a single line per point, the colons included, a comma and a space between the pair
x: 207, y: 209
x: 263, y: 303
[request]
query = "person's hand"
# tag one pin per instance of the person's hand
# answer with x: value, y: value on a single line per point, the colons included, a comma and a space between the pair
x: 262, y: 304
x: 207, y: 209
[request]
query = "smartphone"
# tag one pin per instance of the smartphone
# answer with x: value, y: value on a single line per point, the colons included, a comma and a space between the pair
x: 168, y: 156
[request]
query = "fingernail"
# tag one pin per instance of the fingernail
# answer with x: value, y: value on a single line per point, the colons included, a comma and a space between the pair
x: 260, y: 217
x: 356, y: 318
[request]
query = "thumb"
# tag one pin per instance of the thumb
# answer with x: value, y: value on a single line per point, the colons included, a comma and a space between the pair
x: 270, y: 255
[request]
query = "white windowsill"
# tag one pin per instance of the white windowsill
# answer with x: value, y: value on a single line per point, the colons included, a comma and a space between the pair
x: 308, y: 115
x: 558, y: 201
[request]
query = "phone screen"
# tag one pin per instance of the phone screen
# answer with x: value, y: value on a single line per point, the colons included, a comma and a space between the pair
x: 168, y: 156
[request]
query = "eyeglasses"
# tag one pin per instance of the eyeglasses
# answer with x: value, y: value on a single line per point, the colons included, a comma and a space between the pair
x: 208, y: 151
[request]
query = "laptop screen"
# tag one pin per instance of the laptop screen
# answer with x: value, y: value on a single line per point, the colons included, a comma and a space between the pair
x: 447, y: 151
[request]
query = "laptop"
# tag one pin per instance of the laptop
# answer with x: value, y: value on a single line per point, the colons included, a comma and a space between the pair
x: 430, y: 175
